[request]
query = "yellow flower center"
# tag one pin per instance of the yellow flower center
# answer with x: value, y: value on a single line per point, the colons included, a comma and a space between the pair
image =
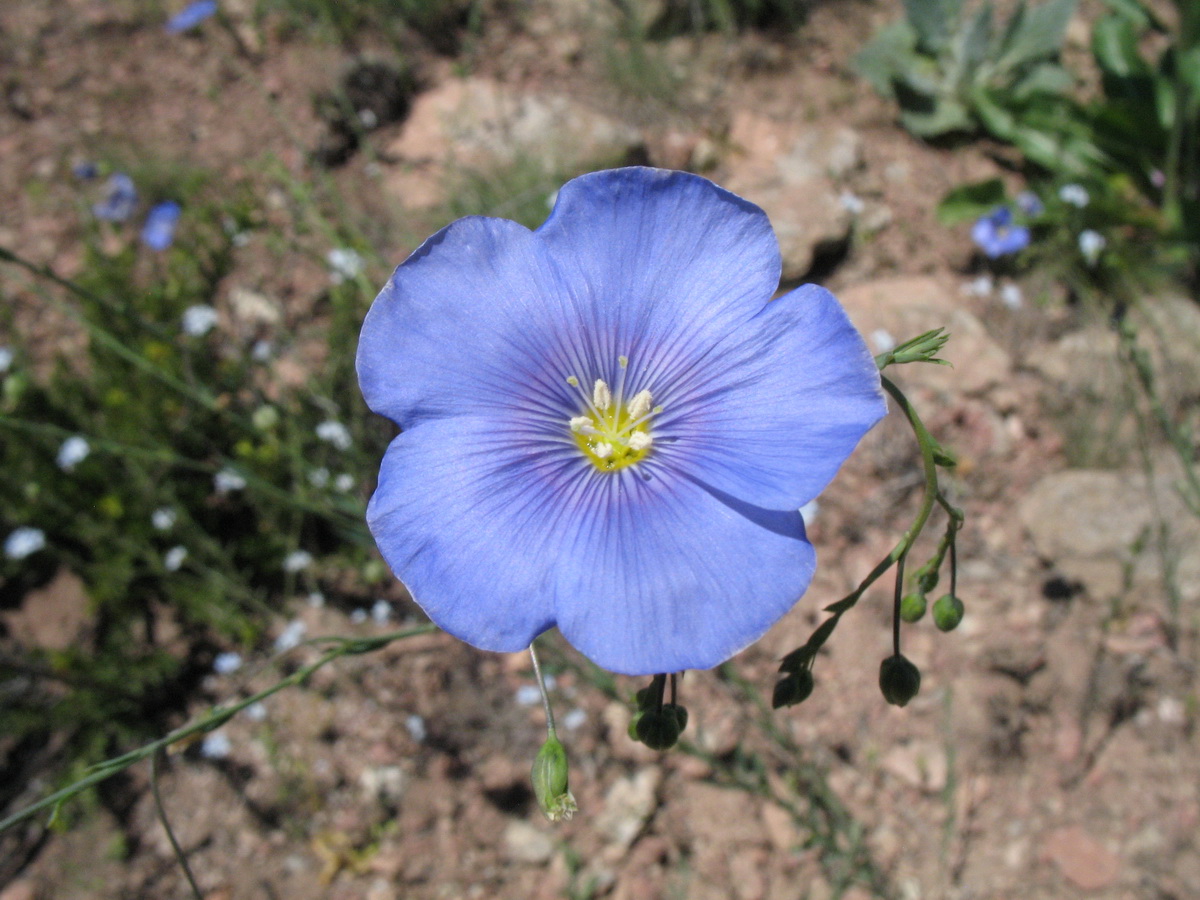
x: 611, y: 432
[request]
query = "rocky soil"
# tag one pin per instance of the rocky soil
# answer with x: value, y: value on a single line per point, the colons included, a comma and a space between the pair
x: 1052, y: 751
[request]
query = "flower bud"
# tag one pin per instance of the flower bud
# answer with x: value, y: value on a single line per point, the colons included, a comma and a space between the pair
x: 899, y: 680
x: 550, y: 786
x: 912, y: 607
x: 947, y: 612
x: 659, y: 729
x: 927, y: 580
x: 792, y: 689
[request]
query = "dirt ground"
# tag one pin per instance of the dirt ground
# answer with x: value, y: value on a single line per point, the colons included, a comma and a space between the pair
x: 1052, y: 751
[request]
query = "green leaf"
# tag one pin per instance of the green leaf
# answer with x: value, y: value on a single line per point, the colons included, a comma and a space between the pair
x: 1044, y: 78
x: 976, y: 39
x: 933, y: 21
x: 1115, y: 46
x: 970, y: 201
x: 1136, y: 12
x: 1037, y: 36
x: 946, y: 117
x: 887, y: 55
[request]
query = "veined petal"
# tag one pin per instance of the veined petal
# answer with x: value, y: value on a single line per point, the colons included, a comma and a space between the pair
x: 661, y: 263
x: 498, y: 537
x: 476, y: 309
x: 772, y: 413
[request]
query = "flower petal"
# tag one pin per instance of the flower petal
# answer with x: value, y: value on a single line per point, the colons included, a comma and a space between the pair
x: 774, y: 412
x: 498, y: 538
x: 487, y: 279
x: 664, y: 262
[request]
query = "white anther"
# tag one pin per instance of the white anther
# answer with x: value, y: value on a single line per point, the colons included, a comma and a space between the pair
x: 640, y: 404
x: 603, y: 450
x: 601, y: 395
x: 582, y: 425
x: 639, y: 440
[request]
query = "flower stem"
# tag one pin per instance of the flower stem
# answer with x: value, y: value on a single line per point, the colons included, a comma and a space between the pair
x: 541, y: 683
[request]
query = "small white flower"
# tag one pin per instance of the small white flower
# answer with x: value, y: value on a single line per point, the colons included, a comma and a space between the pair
x: 163, y: 518
x: 381, y: 612
x: 358, y: 616
x: 852, y: 203
x: 344, y: 483
x: 199, y: 320
x: 1074, y: 194
x: 216, y: 745
x: 297, y: 561
x: 367, y: 118
x: 227, y: 663
x: 73, y: 451
x: 318, y: 478
x: 261, y: 351
x: 1091, y: 243
x: 174, y: 558
x: 256, y: 712
x: 1010, y: 296
x: 528, y: 695
x: 883, y: 340
x: 344, y: 264
x: 228, y: 480
x: 6, y: 359
x: 291, y: 636
x: 316, y: 600
x: 23, y: 542
x: 574, y: 719
x: 416, y: 728
x: 979, y: 287
x: 334, y: 433
x: 808, y: 512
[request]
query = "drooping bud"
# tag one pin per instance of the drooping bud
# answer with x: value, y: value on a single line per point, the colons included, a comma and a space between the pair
x: 793, y: 688
x: 899, y: 680
x: 659, y: 729
x: 912, y: 607
x: 927, y: 580
x: 550, y: 787
x: 947, y: 612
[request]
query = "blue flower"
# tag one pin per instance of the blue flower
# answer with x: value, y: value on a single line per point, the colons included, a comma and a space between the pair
x: 120, y: 199
x: 996, y: 235
x: 159, y: 230
x: 191, y: 16
x: 607, y: 423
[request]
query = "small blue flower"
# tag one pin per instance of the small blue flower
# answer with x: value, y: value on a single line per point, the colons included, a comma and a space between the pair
x: 1030, y: 204
x: 85, y: 170
x: 996, y: 235
x: 120, y: 199
x: 159, y: 230
x: 608, y: 425
x: 191, y: 16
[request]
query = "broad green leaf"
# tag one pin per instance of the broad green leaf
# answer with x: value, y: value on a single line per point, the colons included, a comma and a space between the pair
x: 977, y: 38
x: 933, y: 21
x: 888, y: 54
x: 1046, y: 78
x: 970, y: 201
x: 1136, y: 12
x: 1187, y: 67
x: 946, y: 117
x: 1039, y: 34
x: 1115, y: 46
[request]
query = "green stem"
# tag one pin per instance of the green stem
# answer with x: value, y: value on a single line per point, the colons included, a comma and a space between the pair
x: 217, y: 717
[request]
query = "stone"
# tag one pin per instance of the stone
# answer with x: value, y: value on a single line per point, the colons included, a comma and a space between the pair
x: 920, y: 764
x: 628, y: 805
x: 477, y: 123
x: 54, y: 617
x: 1081, y: 858
x: 791, y: 172
x: 527, y: 844
x: 908, y: 305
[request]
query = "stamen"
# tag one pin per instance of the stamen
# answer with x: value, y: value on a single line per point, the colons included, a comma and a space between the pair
x: 601, y: 395
x: 583, y: 425
x: 639, y: 440
x: 572, y: 381
x: 640, y: 404
x: 603, y: 450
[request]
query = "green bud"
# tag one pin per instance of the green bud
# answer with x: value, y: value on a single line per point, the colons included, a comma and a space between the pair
x: 912, y: 607
x: 899, y: 680
x: 947, y: 612
x: 550, y: 786
x: 792, y: 689
x: 927, y: 580
x: 659, y: 729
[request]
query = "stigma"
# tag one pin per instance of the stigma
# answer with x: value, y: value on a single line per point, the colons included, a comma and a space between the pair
x: 613, y: 432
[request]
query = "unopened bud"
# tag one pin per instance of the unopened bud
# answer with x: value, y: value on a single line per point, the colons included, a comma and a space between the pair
x: 659, y: 729
x: 793, y: 688
x: 927, y: 580
x: 947, y: 612
x: 899, y: 680
x: 912, y: 607
x: 550, y: 786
